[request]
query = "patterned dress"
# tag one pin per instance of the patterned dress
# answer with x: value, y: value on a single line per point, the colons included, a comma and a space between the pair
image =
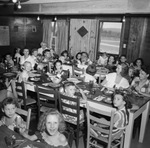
x: 42, y: 139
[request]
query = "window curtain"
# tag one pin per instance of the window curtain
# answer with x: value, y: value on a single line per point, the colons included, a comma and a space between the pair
x: 47, y: 31
x: 62, y: 36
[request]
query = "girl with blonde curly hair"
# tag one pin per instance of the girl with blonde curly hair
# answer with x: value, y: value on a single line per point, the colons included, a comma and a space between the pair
x: 50, y: 130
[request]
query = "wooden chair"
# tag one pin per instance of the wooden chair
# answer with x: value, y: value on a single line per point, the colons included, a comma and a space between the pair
x: 98, y: 135
x: 70, y: 109
x: 46, y: 98
x: 25, y: 113
x: 21, y: 94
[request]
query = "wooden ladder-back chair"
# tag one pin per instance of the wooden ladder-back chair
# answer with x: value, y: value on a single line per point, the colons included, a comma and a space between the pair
x: 100, y: 132
x: 70, y: 109
x: 46, y: 98
x: 27, y: 114
x: 21, y: 94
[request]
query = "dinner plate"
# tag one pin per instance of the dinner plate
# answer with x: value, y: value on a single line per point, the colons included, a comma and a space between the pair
x: 75, y: 80
x: 35, y: 79
x: 108, y: 100
x: 54, y: 85
x: 9, y: 74
x: 99, y: 98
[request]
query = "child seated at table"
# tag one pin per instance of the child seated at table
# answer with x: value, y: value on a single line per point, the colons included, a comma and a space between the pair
x: 11, y: 119
x: 103, y: 59
x: 89, y: 74
x: 50, y: 130
x: 70, y: 91
x: 121, y: 117
x: 59, y: 74
x: 25, y: 74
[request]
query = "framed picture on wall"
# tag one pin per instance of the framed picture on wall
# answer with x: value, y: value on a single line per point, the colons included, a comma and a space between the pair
x: 4, y: 36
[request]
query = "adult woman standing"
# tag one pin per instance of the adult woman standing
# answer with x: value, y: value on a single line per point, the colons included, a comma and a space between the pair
x: 117, y: 79
x: 26, y: 57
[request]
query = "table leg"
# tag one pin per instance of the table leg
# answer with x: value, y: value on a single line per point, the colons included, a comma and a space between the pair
x: 145, y: 115
x: 128, y: 133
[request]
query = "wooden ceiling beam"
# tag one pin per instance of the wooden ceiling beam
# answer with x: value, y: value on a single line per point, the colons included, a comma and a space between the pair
x: 82, y: 7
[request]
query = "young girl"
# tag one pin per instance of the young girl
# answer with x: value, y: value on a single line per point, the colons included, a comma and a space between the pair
x: 11, y: 119
x: 78, y: 58
x: 50, y: 130
x: 24, y: 75
x: 60, y: 74
x: 121, y: 117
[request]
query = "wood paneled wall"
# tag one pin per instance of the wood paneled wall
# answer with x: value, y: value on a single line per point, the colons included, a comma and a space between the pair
x: 145, y: 43
x: 24, y: 32
x: 29, y: 34
x: 135, y: 38
x: 86, y: 43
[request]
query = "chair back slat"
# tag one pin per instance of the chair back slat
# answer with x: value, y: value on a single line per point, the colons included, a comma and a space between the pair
x: 95, y: 119
x: 71, y: 106
x: 99, y: 129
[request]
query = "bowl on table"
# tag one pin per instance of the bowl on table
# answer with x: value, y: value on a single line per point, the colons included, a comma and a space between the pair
x: 107, y: 92
x: 108, y: 100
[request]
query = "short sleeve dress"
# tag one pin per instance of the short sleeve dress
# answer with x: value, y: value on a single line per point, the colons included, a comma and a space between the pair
x: 41, y: 139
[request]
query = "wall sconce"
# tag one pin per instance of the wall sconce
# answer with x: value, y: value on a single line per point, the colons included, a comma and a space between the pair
x: 54, y: 19
x: 38, y: 18
x: 123, y: 19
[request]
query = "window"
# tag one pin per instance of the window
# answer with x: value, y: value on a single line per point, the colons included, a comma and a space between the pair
x: 109, y: 37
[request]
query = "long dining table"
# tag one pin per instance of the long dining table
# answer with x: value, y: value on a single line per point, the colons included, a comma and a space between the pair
x: 143, y: 109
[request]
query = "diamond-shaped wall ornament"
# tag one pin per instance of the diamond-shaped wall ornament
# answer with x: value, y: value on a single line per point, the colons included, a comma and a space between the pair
x: 82, y: 31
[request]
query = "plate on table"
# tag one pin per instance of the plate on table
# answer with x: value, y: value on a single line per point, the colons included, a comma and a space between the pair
x: 9, y: 74
x: 108, y: 100
x: 53, y: 84
x: 99, y: 98
x: 35, y: 79
x: 74, y: 80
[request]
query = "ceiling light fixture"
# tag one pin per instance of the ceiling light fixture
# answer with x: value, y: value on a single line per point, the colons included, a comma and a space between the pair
x: 14, y: 1
x: 19, y: 4
x: 123, y: 19
x: 38, y: 18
